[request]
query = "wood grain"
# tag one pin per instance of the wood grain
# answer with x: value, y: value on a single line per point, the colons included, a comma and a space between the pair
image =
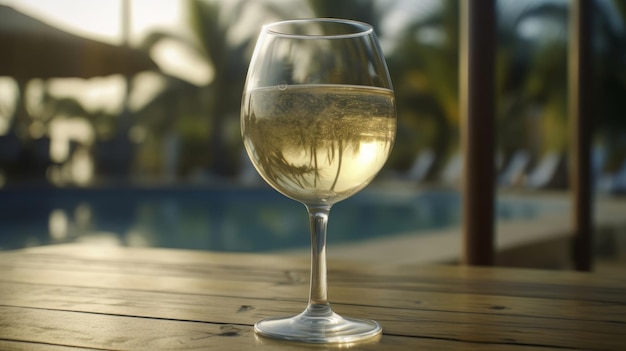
x: 134, y: 299
x: 110, y: 332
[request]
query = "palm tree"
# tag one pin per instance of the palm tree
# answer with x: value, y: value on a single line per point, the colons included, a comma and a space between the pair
x: 425, y: 76
x: 533, y: 77
x: 531, y: 82
x: 214, y: 24
x: 409, y: 60
x: 224, y: 35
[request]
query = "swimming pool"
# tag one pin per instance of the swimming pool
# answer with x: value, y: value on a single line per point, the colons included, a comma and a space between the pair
x: 221, y: 219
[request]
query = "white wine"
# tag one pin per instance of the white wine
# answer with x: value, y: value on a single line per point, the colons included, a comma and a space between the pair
x: 318, y: 144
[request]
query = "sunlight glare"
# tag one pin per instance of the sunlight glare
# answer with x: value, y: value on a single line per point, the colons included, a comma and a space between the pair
x: 82, y: 167
x: 58, y: 225
x: 102, y: 20
x: 542, y: 29
x: 63, y: 130
x: 33, y: 95
x: 146, y: 85
x: 95, y: 94
x: 180, y: 61
x: 8, y: 95
x: 101, y: 239
x: 160, y: 15
x: 367, y: 153
x: 95, y: 19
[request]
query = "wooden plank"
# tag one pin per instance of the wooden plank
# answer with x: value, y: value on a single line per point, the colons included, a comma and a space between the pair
x: 118, y: 301
x: 146, y: 261
x: 342, y: 288
x: 19, y: 294
x: 110, y: 332
x: 467, y: 305
x: 504, y: 324
x: 10, y: 345
x: 275, y: 281
x: 162, y: 255
x: 190, y: 285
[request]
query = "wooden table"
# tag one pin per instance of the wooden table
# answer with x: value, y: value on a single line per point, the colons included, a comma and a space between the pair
x: 75, y: 297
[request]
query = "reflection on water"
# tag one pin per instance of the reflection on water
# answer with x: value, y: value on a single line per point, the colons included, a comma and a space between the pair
x: 248, y: 220
x: 57, y: 225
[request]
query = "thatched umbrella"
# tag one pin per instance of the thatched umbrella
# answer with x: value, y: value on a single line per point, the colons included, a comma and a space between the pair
x: 33, y: 49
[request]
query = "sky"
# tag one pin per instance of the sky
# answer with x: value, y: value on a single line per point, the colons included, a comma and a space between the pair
x: 102, y: 20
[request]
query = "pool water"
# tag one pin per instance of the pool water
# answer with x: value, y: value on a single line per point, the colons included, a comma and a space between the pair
x: 220, y: 219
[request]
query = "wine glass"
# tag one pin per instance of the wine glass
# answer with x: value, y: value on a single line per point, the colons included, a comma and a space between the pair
x: 318, y: 121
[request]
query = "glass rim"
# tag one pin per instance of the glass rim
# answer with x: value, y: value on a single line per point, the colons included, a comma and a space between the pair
x: 361, y: 28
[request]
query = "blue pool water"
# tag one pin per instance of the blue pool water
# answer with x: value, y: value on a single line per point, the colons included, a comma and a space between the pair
x: 222, y: 219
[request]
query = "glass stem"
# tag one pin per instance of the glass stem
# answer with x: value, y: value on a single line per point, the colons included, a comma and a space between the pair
x: 318, y: 295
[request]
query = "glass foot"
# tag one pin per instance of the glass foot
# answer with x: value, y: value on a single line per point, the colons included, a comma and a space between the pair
x: 316, y: 327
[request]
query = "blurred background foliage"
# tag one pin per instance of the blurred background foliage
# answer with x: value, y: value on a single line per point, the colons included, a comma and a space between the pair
x: 187, y: 128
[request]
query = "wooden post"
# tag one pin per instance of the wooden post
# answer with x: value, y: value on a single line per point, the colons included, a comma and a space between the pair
x: 579, y: 99
x: 477, y: 81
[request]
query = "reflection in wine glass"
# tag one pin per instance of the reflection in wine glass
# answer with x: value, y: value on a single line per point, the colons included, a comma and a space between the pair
x: 318, y: 121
